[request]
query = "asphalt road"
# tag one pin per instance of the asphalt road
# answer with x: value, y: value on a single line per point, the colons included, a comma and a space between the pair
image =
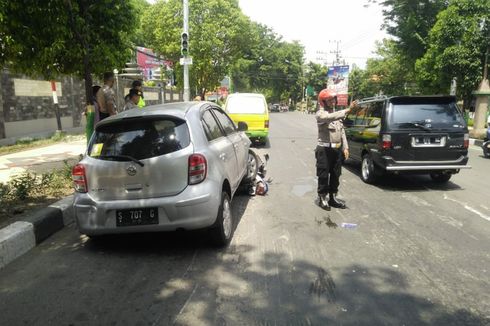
x: 418, y: 256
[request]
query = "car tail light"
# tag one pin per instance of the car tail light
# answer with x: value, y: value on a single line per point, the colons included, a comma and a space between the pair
x: 266, y: 124
x: 386, y: 142
x: 466, y: 142
x: 197, y: 168
x: 79, y: 178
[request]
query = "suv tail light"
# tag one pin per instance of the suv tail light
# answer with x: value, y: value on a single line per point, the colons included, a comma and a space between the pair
x: 197, y: 168
x: 386, y: 142
x: 79, y: 178
x: 266, y: 124
x: 466, y: 142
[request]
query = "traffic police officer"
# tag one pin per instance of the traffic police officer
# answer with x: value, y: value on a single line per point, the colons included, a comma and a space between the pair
x: 332, y: 147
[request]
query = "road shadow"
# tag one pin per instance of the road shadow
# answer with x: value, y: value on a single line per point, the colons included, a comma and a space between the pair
x: 242, y: 285
x: 408, y: 182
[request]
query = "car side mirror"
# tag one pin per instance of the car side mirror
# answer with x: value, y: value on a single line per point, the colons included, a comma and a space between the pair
x: 242, y: 126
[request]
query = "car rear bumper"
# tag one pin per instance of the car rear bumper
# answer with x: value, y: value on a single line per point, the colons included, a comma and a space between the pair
x: 389, y: 164
x: 257, y: 133
x: 194, y: 208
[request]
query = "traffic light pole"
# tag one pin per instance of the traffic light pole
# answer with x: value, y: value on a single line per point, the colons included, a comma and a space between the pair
x: 186, y: 66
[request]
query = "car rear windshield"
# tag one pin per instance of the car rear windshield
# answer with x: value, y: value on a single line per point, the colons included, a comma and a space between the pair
x: 139, y: 138
x: 245, y: 104
x: 434, y: 114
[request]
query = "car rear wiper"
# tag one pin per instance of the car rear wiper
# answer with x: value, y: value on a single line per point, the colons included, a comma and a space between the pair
x: 414, y: 124
x: 123, y: 156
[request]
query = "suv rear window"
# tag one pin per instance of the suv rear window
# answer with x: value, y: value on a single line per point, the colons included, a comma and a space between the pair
x: 435, y: 114
x: 139, y: 139
x: 245, y: 104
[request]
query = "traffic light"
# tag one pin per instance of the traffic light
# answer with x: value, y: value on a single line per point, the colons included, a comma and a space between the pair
x: 184, y: 48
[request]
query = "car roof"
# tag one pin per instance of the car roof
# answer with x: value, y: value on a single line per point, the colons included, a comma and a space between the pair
x: 405, y: 99
x: 246, y: 94
x: 177, y: 109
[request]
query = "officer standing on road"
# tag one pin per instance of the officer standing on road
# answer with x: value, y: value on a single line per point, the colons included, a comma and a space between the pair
x: 332, y: 147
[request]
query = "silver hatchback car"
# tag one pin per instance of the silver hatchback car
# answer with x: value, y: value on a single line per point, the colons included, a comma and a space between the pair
x: 163, y: 168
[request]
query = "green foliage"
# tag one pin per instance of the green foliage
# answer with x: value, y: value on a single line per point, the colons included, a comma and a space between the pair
x: 53, y: 37
x: 217, y: 34
x: 410, y: 22
x: 316, y: 76
x: 29, y: 186
x: 458, y: 43
x: 22, y: 185
x: 270, y: 66
x: 388, y: 74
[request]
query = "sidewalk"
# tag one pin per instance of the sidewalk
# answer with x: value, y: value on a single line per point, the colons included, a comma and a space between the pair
x: 21, y: 236
x: 41, y: 159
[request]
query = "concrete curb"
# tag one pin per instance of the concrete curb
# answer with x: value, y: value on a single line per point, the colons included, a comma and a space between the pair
x: 476, y: 142
x: 18, y: 238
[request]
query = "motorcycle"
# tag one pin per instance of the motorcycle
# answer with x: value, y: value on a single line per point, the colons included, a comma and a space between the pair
x: 486, y: 143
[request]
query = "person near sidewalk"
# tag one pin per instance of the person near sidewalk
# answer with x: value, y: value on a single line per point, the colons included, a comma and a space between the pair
x: 332, y: 148
x: 136, y: 84
x: 134, y: 98
x: 106, y: 97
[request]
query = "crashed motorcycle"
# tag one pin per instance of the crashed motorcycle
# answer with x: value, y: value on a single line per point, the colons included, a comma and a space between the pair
x: 486, y: 143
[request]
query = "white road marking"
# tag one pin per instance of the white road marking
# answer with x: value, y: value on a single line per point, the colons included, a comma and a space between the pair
x: 469, y: 208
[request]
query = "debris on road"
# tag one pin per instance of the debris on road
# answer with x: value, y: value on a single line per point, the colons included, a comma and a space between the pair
x: 348, y: 225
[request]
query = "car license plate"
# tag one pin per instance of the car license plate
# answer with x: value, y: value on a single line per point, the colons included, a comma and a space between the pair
x: 139, y: 216
x: 428, y: 141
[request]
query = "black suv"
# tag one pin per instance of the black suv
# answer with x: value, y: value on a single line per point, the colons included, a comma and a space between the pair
x: 408, y: 134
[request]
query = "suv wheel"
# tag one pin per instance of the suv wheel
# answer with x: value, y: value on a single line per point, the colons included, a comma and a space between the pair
x: 368, y: 170
x: 222, y: 231
x: 440, y: 177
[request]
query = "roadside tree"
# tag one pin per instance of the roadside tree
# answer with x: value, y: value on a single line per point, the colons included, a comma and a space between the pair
x: 217, y: 35
x: 53, y: 37
x: 459, y: 42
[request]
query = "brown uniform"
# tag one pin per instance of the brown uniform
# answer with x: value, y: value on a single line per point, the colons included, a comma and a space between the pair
x: 331, y: 142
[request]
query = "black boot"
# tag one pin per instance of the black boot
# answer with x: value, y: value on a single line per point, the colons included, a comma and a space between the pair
x: 334, y: 202
x: 323, y: 202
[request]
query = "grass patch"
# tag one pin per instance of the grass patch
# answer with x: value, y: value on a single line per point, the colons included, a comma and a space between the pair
x: 29, y: 191
x: 28, y: 142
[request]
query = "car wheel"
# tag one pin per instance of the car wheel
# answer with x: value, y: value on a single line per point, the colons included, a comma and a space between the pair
x: 368, y: 172
x: 252, y: 166
x: 440, y: 177
x: 222, y: 231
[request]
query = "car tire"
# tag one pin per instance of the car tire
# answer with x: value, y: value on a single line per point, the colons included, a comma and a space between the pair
x: 222, y: 230
x: 440, y: 177
x: 252, y: 167
x: 368, y: 169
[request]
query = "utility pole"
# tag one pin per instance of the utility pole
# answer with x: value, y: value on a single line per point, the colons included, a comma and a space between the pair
x: 187, y: 94
x: 336, y: 52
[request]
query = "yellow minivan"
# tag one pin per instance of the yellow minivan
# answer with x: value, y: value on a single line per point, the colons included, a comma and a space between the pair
x: 250, y: 108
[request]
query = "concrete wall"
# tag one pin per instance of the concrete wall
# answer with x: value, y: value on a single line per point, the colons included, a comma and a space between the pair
x: 26, y: 104
x: 27, y: 109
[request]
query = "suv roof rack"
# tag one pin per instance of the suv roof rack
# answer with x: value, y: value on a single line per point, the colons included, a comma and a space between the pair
x: 367, y: 99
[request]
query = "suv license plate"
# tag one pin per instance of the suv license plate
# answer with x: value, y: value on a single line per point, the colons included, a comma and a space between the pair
x: 139, y: 216
x: 428, y: 141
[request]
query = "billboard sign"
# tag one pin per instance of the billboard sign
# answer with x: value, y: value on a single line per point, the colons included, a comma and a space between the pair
x: 149, y: 62
x: 338, y: 80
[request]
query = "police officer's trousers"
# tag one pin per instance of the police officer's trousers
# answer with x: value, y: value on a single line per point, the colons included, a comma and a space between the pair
x: 328, y: 169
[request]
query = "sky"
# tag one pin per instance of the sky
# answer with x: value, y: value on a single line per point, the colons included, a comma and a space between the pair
x: 319, y: 24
